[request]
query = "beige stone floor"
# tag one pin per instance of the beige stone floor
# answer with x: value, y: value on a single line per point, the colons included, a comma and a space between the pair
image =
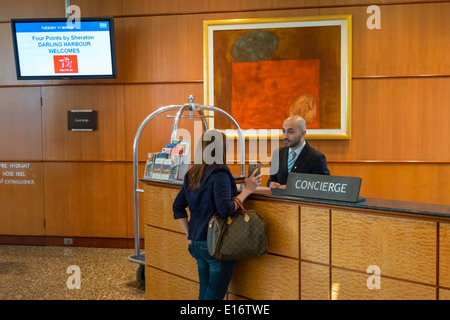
x: 40, y: 273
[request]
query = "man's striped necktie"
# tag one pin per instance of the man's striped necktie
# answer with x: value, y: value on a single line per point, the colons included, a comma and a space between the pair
x: 291, y: 160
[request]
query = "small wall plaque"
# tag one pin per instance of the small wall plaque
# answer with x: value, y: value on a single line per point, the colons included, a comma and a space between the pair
x: 82, y: 120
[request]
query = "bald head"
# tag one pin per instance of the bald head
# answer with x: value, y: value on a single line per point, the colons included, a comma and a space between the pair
x: 296, y: 120
x: 294, y: 131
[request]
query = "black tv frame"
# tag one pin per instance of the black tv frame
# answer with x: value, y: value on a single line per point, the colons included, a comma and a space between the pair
x: 66, y: 77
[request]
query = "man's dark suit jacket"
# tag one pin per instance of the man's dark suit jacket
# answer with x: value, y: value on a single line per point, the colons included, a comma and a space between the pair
x: 308, y: 161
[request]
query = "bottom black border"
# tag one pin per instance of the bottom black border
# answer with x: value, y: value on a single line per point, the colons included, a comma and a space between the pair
x: 226, y: 309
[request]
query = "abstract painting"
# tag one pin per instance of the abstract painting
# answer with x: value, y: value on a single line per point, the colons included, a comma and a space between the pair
x: 261, y: 71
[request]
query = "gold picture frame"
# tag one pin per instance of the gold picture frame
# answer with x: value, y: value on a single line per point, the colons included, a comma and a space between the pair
x: 263, y: 70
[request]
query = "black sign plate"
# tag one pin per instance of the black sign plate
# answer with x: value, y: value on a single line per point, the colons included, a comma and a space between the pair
x: 82, y: 120
x: 323, y: 187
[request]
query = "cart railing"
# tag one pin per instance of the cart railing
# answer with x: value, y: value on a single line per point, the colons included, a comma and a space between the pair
x: 191, y: 107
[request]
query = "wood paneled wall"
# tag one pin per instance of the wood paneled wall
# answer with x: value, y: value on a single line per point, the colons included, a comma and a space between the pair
x: 83, y: 181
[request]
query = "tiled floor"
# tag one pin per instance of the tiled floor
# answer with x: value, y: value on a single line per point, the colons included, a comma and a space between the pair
x: 41, y: 273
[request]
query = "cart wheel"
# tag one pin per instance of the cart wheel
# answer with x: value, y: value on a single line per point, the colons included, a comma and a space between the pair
x: 140, y: 274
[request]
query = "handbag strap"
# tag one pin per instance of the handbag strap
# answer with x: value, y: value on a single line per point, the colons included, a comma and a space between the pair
x: 239, y: 203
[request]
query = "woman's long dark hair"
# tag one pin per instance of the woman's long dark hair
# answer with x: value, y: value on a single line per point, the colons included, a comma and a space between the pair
x: 207, y: 160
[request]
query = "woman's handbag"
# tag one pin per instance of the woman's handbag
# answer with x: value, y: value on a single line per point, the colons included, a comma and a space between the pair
x: 240, y: 236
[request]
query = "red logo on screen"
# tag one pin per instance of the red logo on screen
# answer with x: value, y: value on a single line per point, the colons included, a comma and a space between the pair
x: 65, y: 64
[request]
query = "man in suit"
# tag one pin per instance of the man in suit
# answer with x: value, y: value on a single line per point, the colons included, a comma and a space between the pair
x: 297, y: 155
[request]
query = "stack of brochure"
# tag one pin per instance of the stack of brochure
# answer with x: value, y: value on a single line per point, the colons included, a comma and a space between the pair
x: 171, y: 163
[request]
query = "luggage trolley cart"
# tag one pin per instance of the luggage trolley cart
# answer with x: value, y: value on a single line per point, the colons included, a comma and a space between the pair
x: 139, y: 257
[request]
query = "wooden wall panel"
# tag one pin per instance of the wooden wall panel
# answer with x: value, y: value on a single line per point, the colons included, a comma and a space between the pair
x: 99, y: 8
x: 20, y: 124
x: 85, y: 199
x: 444, y: 255
x: 444, y: 294
x: 162, y: 284
x: 106, y: 143
x: 139, y: 7
x: 396, y: 119
x: 168, y: 251
x: 231, y: 296
x: 268, y: 277
x: 158, y: 207
x: 411, y: 41
x: 347, y: 285
x: 315, y: 281
x: 22, y: 205
x: 315, y: 234
x: 15, y: 9
x: 162, y: 48
x: 360, y: 241
x: 366, y: 3
x: 418, y: 182
x: 142, y: 100
x: 282, y: 226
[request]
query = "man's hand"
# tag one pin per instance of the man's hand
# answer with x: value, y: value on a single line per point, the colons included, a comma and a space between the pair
x: 274, y: 184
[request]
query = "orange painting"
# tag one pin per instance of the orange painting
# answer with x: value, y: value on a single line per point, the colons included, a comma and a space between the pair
x: 261, y: 71
x: 264, y: 93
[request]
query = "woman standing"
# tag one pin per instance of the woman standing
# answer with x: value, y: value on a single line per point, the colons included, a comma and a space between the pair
x: 209, y: 187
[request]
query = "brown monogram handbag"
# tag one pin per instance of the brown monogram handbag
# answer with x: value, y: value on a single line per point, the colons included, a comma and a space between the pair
x: 241, y: 236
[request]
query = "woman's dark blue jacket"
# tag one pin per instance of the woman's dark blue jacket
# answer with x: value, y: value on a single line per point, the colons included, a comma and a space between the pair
x: 217, y: 188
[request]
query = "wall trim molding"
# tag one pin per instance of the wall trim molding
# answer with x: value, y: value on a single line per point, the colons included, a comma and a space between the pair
x: 93, y: 242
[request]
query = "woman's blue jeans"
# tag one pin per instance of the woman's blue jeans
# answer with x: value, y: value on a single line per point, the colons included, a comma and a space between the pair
x: 214, y: 274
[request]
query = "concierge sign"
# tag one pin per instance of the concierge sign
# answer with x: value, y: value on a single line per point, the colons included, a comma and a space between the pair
x: 82, y: 120
x: 323, y: 187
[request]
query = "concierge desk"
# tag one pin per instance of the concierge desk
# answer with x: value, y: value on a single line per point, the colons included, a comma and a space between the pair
x: 377, y: 249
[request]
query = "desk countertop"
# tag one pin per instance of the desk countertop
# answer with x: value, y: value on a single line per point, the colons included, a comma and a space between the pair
x: 372, y: 204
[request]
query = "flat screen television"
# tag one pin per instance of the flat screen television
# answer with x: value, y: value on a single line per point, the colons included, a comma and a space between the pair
x: 58, y: 49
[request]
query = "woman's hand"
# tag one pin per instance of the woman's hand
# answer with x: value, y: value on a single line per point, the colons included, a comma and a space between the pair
x: 253, y: 180
x: 251, y: 183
